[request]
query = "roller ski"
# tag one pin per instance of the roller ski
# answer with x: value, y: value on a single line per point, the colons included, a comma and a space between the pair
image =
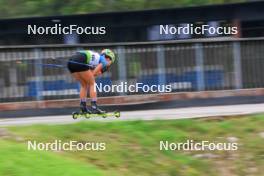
x: 76, y: 115
x: 95, y: 111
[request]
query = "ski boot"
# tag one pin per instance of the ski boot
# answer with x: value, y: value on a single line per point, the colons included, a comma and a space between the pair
x: 84, y: 112
x: 84, y: 108
x: 95, y: 109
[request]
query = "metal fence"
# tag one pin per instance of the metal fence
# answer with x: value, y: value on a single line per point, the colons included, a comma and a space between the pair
x: 193, y: 65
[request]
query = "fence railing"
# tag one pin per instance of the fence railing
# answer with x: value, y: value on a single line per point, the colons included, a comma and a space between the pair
x: 184, y: 65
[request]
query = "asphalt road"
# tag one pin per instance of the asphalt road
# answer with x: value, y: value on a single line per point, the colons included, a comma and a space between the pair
x: 173, y: 113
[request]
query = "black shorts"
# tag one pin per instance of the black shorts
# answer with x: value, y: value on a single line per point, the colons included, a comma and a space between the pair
x: 77, y: 63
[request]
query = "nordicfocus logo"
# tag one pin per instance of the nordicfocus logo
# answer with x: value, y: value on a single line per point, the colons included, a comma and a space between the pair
x: 190, y: 29
x: 124, y: 87
x: 58, y: 145
x: 190, y: 145
x: 59, y: 29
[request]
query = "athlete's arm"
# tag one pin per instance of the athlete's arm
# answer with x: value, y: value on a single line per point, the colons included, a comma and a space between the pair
x: 98, y: 70
x: 103, y: 66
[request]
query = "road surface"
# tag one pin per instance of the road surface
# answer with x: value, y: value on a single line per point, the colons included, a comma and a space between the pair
x: 175, y: 113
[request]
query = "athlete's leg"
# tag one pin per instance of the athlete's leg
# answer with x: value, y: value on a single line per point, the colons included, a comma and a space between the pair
x: 84, y: 84
x: 92, y: 88
x: 88, y: 78
x: 83, y: 91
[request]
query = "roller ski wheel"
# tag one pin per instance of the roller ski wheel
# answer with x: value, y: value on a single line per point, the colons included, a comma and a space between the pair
x: 117, y: 114
x: 103, y: 115
x: 75, y: 115
x: 87, y: 115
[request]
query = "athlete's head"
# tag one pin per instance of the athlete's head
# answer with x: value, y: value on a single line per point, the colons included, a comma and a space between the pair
x: 109, y: 54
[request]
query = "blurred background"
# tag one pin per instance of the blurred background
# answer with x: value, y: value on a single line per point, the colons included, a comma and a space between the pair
x: 125, y: 20
x: 203, y: 70
x: 187, y: 62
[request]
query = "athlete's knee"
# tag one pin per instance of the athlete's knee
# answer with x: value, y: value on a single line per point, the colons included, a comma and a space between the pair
x: 84, y: 84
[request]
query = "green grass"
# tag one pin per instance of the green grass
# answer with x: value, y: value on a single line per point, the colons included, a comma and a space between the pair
x: 132, y: 148
x: 17, y: 161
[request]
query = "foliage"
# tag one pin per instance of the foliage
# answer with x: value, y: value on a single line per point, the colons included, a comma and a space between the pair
x: 22, y: 8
